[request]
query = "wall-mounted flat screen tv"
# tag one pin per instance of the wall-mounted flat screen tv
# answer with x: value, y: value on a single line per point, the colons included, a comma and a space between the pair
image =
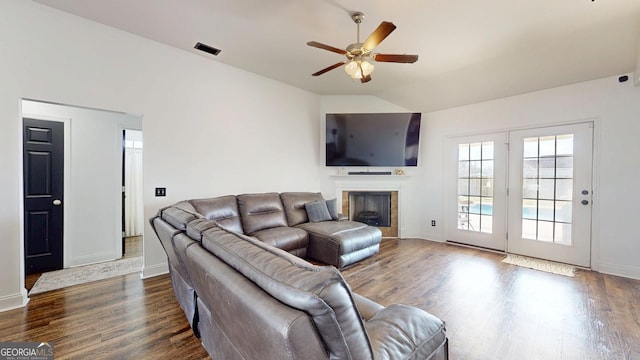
x: 376, y: 139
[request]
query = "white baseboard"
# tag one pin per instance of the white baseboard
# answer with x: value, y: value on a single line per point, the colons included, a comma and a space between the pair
x: 14, y: 301
x: 91, y: 259
x: 154, y: 270
x: 618, y: 270
x: 437, y: 237
x: 422, y: 237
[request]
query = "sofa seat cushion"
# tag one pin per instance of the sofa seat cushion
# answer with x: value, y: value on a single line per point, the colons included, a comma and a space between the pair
x: 404, y: 332
x: 333, y: 228
x: 285, y: 238
x: 341, y: 243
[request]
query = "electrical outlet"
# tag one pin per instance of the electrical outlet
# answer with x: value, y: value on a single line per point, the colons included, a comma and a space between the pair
x: 161, y: 191
x: 433, y: 223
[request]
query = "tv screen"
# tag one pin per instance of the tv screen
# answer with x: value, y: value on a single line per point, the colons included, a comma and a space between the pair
x: 377, y: 139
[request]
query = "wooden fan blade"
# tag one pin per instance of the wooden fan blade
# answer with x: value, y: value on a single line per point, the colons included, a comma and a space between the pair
x: 365, y: 79
x: 395, y: 58
x: 326, y: 47
x: 329, y: 68
x: 384, y: 29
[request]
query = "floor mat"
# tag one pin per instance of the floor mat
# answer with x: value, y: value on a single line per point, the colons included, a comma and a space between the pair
x: 83, y: 274
x: 542, y: 265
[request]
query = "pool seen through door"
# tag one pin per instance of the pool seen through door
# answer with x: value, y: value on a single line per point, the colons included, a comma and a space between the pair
x: 526, y: 192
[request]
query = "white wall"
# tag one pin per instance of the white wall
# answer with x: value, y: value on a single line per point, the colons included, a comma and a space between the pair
x: 616, y: 109
x: 636, y: 74
x: 93, y: 183
x: 209, y: 129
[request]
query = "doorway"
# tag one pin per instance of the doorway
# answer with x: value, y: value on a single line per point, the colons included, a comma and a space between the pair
x: 92, y: 180
x: 132, y: 199
x: 525, y: 192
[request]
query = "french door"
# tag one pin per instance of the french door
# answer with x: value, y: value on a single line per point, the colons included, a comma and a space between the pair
x: 476, y: 207
x: 526, y: 192
x: 550, y: 181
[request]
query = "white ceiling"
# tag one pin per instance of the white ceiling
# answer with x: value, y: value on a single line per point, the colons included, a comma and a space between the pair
x: 469, y: 50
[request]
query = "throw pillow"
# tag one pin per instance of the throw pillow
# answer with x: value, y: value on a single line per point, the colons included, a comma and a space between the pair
x: 332, y: 206
x: 317, y: 211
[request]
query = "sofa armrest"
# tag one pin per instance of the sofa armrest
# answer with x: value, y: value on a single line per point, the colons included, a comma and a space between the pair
x: 367, y: 308
x: 405, y: 332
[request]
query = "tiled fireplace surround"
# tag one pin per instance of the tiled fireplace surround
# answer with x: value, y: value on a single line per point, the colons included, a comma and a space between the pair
x: 345, y: 186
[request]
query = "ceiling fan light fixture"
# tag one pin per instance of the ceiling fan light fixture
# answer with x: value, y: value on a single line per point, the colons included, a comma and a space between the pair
x: 357, y: 54
x: 357, y: 69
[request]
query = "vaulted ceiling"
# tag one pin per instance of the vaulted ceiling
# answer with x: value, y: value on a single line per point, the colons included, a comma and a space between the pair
x: 470, y: 51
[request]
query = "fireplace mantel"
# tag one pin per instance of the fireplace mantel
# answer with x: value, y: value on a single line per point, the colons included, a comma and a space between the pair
x: 370, y: 176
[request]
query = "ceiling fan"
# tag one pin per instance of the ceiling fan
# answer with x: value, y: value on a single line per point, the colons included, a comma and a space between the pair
x: 358, y: 53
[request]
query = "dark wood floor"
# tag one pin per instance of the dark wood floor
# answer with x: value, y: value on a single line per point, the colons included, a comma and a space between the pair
x: 493, y: 310
x: 132, y: 246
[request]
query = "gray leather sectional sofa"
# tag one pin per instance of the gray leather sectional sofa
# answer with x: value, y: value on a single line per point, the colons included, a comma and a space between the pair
x: 282, y: 220
x: 251, y: 297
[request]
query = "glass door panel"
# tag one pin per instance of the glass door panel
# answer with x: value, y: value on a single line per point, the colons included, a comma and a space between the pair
x: 545, y: 163
x: 475, y: 186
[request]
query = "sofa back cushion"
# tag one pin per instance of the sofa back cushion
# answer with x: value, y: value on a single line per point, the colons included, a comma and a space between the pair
x: 261, y: 211
x: 321, y: 292
x: 294, y: 202
x: 223, y: 210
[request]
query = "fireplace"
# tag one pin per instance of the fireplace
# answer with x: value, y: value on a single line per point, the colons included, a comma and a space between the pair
x: 370, y: 207
x: 375, y: 208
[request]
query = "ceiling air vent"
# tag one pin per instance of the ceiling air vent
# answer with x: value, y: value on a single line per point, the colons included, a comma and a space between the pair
x: 208, y: 49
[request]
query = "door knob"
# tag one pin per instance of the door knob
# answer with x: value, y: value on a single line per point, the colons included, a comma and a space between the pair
x: 585, y: 192
x: 584, y: 202
x: 57, y: 202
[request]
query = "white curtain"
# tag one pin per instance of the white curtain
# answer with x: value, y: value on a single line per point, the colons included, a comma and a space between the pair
x: 134, y: 222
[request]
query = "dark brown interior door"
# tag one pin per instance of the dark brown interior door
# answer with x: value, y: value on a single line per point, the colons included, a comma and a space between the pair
x: 43, y: 165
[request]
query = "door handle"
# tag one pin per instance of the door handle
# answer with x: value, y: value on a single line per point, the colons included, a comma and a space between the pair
x: 57, y: 202
x: 584, y: 202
